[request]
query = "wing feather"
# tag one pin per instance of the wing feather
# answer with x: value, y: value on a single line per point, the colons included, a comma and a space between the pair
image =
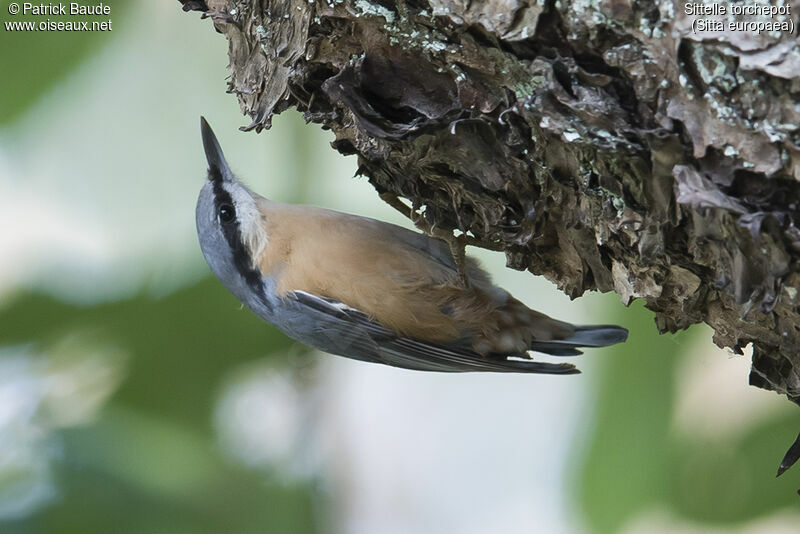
x: 337, y: 328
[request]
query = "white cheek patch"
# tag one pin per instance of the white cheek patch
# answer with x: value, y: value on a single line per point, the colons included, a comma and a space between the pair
x: 251, y: 225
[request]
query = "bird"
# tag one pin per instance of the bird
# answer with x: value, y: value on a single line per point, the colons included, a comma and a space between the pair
x: 369, y: 290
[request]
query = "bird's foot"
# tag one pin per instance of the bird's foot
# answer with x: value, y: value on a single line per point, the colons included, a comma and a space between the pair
x: 457, y: 244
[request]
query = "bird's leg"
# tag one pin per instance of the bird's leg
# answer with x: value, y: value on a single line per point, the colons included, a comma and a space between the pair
x: 396, y: 203
x: 411, y: 212
x: 422, y: 224
x: 457, y: 244
x: 458, y: 249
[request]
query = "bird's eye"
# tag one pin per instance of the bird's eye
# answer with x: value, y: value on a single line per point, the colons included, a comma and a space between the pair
x: 226, y: 213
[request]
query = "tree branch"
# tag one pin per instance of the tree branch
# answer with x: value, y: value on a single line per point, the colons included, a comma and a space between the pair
x: 603, y: 145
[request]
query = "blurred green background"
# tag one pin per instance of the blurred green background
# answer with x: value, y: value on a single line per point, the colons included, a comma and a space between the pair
x: 136, y: 395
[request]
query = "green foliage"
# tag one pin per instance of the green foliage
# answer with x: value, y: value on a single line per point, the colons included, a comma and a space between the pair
x: 635, y: 459
x: 150, y: 463
x: 33, y: 62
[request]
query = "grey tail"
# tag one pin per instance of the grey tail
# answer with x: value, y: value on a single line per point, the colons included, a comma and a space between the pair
x: 583, y: 336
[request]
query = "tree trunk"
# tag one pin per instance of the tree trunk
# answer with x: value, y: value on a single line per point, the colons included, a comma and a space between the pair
x: 603, y: 144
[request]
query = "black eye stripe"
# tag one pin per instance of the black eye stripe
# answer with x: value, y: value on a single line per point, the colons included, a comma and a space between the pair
x: 230, y: 229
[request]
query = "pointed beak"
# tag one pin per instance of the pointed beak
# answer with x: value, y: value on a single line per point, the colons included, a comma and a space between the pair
x: 217, y: 166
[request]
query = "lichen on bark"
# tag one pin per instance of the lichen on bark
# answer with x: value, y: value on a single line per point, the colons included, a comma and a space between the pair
x: 601, y: 143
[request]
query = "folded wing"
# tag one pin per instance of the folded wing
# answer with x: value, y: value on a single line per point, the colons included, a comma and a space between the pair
x: 334, y: 327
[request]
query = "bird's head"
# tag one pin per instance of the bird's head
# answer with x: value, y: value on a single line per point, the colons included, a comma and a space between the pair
x: 230, y: 223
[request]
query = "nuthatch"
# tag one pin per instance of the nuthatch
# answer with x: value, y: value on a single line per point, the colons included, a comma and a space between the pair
x: 370, y: 290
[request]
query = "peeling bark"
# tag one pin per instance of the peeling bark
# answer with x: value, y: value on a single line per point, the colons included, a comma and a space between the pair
x: 600, y: 143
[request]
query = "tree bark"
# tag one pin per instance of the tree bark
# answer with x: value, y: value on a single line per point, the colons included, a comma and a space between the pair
x: 603, y: 144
